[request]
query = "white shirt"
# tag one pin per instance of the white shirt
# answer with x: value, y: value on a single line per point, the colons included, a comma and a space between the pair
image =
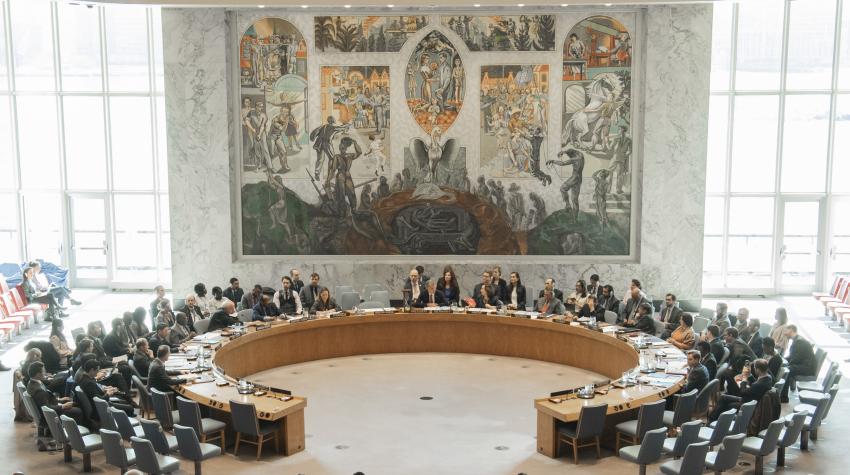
x: 414, y: 290
x: 204, y: 304
x: 276, y: 300
x: 214, y: 304
x: 513, y: 297
x: 580, y: 301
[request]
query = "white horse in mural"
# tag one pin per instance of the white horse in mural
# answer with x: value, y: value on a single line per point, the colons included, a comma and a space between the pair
x: 603, y: 104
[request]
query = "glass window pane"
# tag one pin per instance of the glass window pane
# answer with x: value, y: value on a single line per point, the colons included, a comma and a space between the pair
x: 132, y: 148
x: 811, y: 39
x: 844, y: 48
x: 7, y: 154
x: 718, y: 124
x: 721, y: 46
x: 712, y: 258
x: 9, y: 246
x: 161, y: 144
x: 127, y: 48
x: 159, y: 69
x: 749, y: 254
x: 165, y: 227
x: 4, y: 72
x: 714, y: 211
x: 33, y: 45
x: 805, y: 141
x: 751, y: 216
x: 43, y: 214
x: 85, y: 144
x: 841, y: 149
x: 754, y: 143
x: 759, y: 45
x: 135, y: 238
x: 38, y: 141
x: 79, y: 48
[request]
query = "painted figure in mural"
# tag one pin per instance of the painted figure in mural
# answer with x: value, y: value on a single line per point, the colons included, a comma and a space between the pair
x: 537, y: 138
x: 572, y: 186
x: 366, y: 197
x: 426, y: 74
x: 411, y: 80
x: 376, y: 151
x: 604, y: 101
x: 382, y: 190
x: 622, y: 156
x: 291, y: 125
x: 248, y: 133
x: 260, y: 123
x: 497, y: 192
x: 516, y: 206
x: 521, y: 148
x: 435, y: 153
x: 379, y: 102
x: 342, y: 162
x: 277, y: 129
x: 539, y: 208
x: 278, y: 210
x: 435, y: 68
x: 433, y: 112
x: 398, y: 183
x: 482, y: 191
x: 577, y: 50
x: 601, y: 187
x: 322, y: 138
x: 458, y: 76
x: 621, y: 54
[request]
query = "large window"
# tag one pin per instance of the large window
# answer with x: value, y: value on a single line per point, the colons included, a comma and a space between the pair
x: 83, y: 175
x: 779, y: 146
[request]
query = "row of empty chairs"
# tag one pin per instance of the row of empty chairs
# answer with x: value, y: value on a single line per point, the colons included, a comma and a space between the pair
x: 16, y: 313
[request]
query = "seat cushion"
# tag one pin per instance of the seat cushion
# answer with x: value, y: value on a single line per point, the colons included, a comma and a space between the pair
x: 810, y: 408
x: 628, y: 427
x: 705, y: 434
x: 131, y: 456
x: 268, y: 427
x: 752, y: 446
x: 812, y: 386
x: 209, y: 450
x: 669, y: 445
x: 568, y: 429
x: 211, y: 425
x: 710, y: 458
x: 167, y: 463
x: 171, y: 441
x: 810, y: 397
x: 668, y: 418
x: 84, y: 431
x: 672, y: 467
x: 92, y: 442
x: 630, y: 453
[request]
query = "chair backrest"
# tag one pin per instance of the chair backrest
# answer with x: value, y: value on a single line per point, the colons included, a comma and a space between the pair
x: 721, y: 429
x: 650, y: 417
x: 72, y: 432
x: 145, y: 401
x: 742, y: 419
x: 833, y: 392
x: 122, y: 422
x: 721, y: 369
x: 244, y: 417
x: 382, y: 296
x: 370, y: 304
x: 764, y: 329
x: 694, y: 459
x: 771, y: 437
x: 704, y: 396
x: 688, y: 435
x: 102, y: 408
x: 700, y: 324
x: 153, y: 432
x: 349, y: 300
x: 32, y: 409
x: 201, y: 325
x: 162, y: 407
x: 725, y: 356
x: 246, y: 315
x: 685, y: 404
x: 820, y: 410
x: 610, y: 317
x: 792, y: 431
x: 707, y: 313
x: 829, y: 379
x: 341, y: 289
x: 730, y: 449
x: 77, y: 331
x: 187, y: 442
x: 820, y: 357
x: 84, y: 402
x: 113, y: 448
x: 591, y: 421
x: 146, y: 459
x: 650, y: 445
x: 53, y: 423
x: 369, y: 288
x: 659, y: 326
x: 777, y: 386
x: 190, y: 413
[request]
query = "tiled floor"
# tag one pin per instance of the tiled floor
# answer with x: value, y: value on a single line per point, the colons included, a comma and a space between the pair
x: 366, y: 415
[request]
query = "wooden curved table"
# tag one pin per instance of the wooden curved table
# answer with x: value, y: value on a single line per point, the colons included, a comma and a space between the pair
x: 285, y: 343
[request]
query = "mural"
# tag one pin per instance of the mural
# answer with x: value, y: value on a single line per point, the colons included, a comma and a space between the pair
x: 514, y: 120
x: 504, y: 32
x: 365, y: 34
x: 359, y: 97
x: 349, y: 183
x: 436, y: 83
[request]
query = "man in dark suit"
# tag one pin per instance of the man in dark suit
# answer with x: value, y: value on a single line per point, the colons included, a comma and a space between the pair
x: 739, y: 351
x: 801, y: 359
x: 754, y: 337
x: 608, y: 300
x: 160, y: 378
x: 707, y: 358
x: 311, y: 292
x: 594, y: 287
x: 697, y: 373
x: 160, y: 337
x: 88, y: 383
x: 234, y: 293
x: 549, y: 284
x: 413, y: 287
x: 223, y: 318
x: 115, y: 343
x: 749, y: 389
x: 643, y: 320
x: 486, y: 279
x: 142, y: 357
x: 154, y: 305
x: 297, y: 283
x: 499, y: 284
x: 712, y: 335
x: 548, y: 304
x: 431, y: 297
x: 670, y: 315
x: 43, y: 397
x: 630, y: 311
x: 774, y: 359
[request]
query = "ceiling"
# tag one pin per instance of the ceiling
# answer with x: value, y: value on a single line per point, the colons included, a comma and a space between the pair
x: 400, y: 4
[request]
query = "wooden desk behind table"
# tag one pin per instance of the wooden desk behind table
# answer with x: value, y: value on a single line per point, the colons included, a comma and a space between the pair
x: 285, y: 343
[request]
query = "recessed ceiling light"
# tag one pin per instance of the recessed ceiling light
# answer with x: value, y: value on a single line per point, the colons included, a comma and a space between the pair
x: 565, y: 4
x: 304, y: 6
x: 520, y: 5
x: 607, y: 4
x: 261, y: 6
x: 390, y: 5
x: 347, y: 6
x: 476, y: 5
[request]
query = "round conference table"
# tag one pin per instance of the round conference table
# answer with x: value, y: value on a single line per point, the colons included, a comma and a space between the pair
x: 265, y: 345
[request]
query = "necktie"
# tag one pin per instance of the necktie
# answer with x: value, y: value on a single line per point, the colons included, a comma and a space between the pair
x: 432, y: 298
x: 546, y: 306
x: 667, y: 316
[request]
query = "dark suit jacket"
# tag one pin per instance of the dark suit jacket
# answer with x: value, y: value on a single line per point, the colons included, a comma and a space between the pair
x: 710, y: 364
x: 671, y: 322
x: 192, y: 314
x: 455, y: 292
x: 774, y: 364
x: 739, y: 353
x: 597, y: 291
x: 155, y: 342
x: 91, y: 389
x: 755, y: 391
x: 631, y: 308
x: 297, y: 285
x: 142, y: 362
x: 598, y: 312
x: 319, y: 306
x: 501, y: 290
x: 160, y: 378
x: 555, y: 306
x: 261, y: 311
x: 755, y: 344
x: 424, y: 299
x: 697, y: 378
x: 114, y: 345
x: 611, y: 304
x: 494, y: 301
x: 717, y: 349
x: 520, y: 296
x: 42, y: 396
x: 306, y: 295
x: 558, y: 294
x: 476, y: 290
x: 234, y: 296
x: 644, y: 324
x: 220, y: 320
x: 801, y: 358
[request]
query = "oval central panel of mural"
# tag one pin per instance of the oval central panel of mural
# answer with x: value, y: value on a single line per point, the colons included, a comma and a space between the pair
x: 435, y: 83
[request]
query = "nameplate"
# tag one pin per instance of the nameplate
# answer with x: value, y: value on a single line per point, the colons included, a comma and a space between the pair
x: 520, y: 315
x: 337, y: 315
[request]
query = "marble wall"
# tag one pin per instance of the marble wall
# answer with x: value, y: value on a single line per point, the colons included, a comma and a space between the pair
x: 671, y: 143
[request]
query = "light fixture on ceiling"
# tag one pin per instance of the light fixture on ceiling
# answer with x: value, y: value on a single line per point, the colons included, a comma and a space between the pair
x: 520, y: 5
x: 347, y: 6
x: 261, y: 6
x: 476, y: 5
x: 390, y: 5
x: 608, y: 4
x: 304, y: 6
